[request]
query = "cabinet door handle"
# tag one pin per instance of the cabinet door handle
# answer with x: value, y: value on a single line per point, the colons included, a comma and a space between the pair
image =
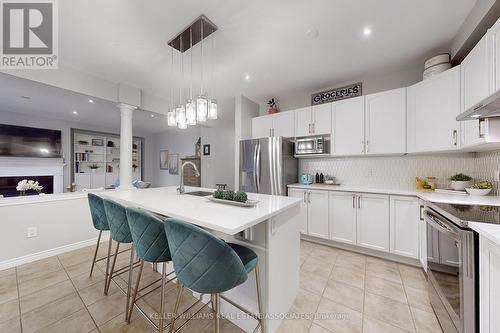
x: 313, y: 127
x: 309, y: 197
x: 359, y: 201
x: 421, y: 212
x: 455, y: 141
x: 367, y: 146
x: 354, y: 201
x: 481, y: 128
x: 309, y: 128
x: 305, y: 197
x: 363, y: 146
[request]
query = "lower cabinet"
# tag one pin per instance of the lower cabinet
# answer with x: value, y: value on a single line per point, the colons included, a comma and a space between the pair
x: 405, y: 229
x: 313, y: 211
x: 489, y: 288
x: 376, y: 221
x: 343, y: 217
x: 373, y: 221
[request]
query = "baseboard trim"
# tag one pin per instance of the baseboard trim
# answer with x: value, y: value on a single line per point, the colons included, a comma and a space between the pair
x: 50, y: 253
x: 354, y: 248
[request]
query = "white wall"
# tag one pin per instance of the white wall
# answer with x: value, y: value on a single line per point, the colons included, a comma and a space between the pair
x: 13, y: 118
x: 372, y: 83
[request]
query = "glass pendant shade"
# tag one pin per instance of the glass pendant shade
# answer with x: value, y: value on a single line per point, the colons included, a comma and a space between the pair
x: 191, y: 112
x: 201, y: 108
x: 180, y: 112
x: 171, y: 118
x: 212, y: 109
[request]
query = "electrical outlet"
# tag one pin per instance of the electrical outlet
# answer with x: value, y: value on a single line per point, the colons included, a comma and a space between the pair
x: 497, y: 175
x: 32, y: 232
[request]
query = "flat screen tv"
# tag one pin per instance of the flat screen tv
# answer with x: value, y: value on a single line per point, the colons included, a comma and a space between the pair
x: 20, y: 141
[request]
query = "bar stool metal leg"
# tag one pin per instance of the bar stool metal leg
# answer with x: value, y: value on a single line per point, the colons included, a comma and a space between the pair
x: 259, y: 298
x: 216, y: 310
x: 162, y: 301
x: 129, y: 286
x: 107, y: 261
x: 180, y: 288
x: 95, y: 253
x: 131, y: 307
x: 106, y: 285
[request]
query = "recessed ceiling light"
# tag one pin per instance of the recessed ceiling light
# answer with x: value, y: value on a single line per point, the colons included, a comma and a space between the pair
x: 152, y: 116
x: 91, y: 101
x: 367, y: 31
x: 312, y: 33
x: 75, y: 112
x: 247, y: 77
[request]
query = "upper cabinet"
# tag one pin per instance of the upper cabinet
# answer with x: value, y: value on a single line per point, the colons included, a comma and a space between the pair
x: 475, y: 75
x: 385, y: 126
x: 313, y: 120
x: 432, y: 107
x: 348, y: 127
x: 279, y: 124
x: 494, y: 57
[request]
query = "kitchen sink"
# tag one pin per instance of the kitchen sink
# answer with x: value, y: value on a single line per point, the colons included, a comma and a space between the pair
x: 199, y: 193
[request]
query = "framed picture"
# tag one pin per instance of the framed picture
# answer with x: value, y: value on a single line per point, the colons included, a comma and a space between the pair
x: 173, y: 164
x: 98, y: 142
x: 206, y: 150
x: 163, y: 159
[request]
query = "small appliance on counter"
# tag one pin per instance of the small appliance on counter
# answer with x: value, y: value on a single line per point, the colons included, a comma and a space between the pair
x: 306, y: 179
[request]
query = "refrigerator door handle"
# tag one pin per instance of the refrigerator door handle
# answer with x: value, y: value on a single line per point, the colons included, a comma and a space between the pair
x: 277, y: 160
x: 271, y: 165
x: 257, y: 168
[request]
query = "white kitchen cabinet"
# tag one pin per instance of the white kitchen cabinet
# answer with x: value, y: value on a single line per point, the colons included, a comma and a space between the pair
x: 386, y: 122
x: 373, y: 221
x: 315, y: 120
x: 480, y: 132
x: 348, y: 127
x: 262, y: 127
x: 85, y: 181
x: 284, y: 124
x: 279, y: 124
x: 404, y: 226
x: 322, y: 119
x: 494, y: 57
x: 475, y: 75
x: 301, y: 194
x: 432, y: 107
x: 422, y: 230
x: 318, y: 213
x: 343, y: 217
x: 489, y: 288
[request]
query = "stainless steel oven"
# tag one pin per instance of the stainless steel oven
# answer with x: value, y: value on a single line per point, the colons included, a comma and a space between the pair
x: 452, y: 268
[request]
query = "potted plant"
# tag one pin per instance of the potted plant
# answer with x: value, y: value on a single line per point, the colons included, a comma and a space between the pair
x: 273, y: 107
x: 94, y: 167
x: 460, y: 181
x: 25, y: 186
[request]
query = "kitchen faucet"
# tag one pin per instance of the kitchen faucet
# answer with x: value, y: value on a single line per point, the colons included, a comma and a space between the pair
x: 197, y: 174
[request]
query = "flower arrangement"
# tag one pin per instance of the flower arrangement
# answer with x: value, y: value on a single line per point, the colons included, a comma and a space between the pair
x: 25, y: 185
x: 273, y: 106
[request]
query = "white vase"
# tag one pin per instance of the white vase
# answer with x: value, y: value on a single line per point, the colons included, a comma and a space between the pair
x: 460, y: 185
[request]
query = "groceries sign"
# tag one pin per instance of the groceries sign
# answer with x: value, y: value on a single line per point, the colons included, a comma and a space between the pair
x: 332, y: 95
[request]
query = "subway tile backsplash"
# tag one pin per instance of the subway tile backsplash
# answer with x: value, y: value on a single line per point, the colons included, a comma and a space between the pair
x: 399, y: 172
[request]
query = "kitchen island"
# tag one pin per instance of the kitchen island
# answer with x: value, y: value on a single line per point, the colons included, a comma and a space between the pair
x: 271, y: 229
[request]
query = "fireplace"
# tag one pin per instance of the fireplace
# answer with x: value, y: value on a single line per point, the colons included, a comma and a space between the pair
x: 8, y: 185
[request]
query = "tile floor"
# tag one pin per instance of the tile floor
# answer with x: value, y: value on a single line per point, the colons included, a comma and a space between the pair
x: 364, y: 293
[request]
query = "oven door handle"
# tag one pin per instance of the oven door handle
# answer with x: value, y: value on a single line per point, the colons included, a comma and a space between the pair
x: 431, y: 220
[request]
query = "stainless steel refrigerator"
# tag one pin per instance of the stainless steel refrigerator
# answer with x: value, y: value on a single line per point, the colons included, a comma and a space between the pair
x: 267, y: 165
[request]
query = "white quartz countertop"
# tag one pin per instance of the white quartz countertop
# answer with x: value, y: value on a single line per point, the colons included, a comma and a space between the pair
x: 202, y: 212
x: 424, y: 195
x: 489, y: 231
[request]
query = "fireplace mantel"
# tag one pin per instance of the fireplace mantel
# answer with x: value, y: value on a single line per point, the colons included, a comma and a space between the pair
x: 46, y: 168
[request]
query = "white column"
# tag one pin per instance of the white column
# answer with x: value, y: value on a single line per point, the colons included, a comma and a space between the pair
x: 126, y: 142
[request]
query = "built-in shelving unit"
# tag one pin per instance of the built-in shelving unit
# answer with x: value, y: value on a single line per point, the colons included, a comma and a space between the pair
x: 95, y: 160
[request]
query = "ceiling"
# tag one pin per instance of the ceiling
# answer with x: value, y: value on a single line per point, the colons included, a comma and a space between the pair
x: 282, y: 47
x: 40, y: 100
x: 126, y: 41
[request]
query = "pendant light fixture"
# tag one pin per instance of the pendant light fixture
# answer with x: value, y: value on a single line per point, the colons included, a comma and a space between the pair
x: 191, y: 104
x: 180, y: 111
x: 201, y: 101
x: 212, y: 104
x: 171, y: 115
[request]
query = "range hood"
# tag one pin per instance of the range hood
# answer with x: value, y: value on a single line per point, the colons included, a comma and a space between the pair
x: 488, y: 108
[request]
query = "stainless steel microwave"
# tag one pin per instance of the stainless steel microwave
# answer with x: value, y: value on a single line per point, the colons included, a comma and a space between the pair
x: 312, y: 145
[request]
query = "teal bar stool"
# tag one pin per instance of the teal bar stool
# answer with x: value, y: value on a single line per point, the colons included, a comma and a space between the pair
x: 100, y: 222
x: 151, y: 245
x: 208, y: 265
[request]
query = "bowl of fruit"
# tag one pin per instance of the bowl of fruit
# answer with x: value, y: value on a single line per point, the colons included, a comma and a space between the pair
x: 481, y: 188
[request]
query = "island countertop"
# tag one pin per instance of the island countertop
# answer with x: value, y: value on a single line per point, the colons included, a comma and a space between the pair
x: 202, y: 212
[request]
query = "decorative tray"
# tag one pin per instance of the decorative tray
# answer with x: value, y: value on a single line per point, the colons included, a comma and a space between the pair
x: 249, y: 203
